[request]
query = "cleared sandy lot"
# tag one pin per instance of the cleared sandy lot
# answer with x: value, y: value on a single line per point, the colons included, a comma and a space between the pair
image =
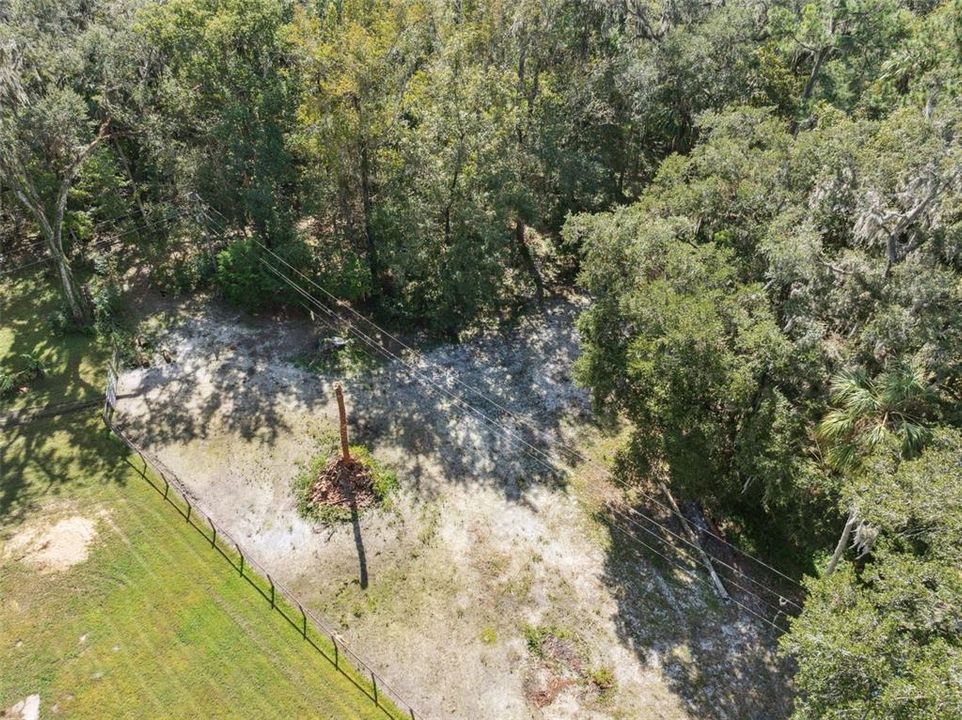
x: 490, y: 588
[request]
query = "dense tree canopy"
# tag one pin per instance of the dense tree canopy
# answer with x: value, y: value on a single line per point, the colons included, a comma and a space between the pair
x: 762, y: 199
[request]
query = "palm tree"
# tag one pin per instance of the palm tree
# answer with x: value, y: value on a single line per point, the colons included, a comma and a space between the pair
x: 866, y: 412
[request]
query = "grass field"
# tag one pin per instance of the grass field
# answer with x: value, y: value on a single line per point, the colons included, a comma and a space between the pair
x: 153, y: 623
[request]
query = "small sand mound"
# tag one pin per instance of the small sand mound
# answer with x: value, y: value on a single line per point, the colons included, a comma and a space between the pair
x: 56, y: 548
x: 343, y: 482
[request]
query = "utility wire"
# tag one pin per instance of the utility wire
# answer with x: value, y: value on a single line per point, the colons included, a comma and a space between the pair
x: 38, y: 243
x: 547, y: 465
x: 529, y: 448
x: 523, y: 420
x: 536, y: 454
x: 98, y: 243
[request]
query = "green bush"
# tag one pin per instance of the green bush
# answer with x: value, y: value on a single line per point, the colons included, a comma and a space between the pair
x: 347, y: 275
x: 241, y: 276
x: 185, y: 274
x: 34, y: 366
x: 10, y: 380
x: 8, y: 384
x: 603, y: 678
x: 245, y: 277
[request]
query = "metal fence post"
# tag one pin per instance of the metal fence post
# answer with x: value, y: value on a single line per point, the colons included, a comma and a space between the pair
x: 166, y: 485
x: 213, y: 537
x: 188, y: 510
x: 411, y: 710
x: 241, y: 559
x: 271, y: 581
x: 374, y: 684
x: 304, y: 619
x: 336, y: 659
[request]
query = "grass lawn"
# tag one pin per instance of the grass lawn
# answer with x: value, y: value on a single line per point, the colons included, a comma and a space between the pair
x: 153, y: 623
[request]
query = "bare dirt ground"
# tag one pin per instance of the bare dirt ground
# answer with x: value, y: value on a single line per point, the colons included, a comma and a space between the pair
x: 26, y: 709
x: 54, y: 548
x: 490, y: 588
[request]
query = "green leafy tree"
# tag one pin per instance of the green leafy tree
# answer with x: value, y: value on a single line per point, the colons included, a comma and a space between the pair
x: 867, y: 410
x: 881, y: 637
x: 56, y: 88
x: 221, y: 101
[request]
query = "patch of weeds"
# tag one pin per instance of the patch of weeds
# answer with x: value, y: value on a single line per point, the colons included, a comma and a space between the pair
x: 383, y: 483
x: 536, y: 635
x: 32, y: 367
x: 519, y: 586
x: 489, y: 636
x: 564, y: 656
x: 430, y: 521
x: 492, y: 564
x: 348, y: 358
x: 603, y: 678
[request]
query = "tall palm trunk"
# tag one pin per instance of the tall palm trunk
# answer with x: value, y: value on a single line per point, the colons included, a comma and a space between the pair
x: 842, y: 541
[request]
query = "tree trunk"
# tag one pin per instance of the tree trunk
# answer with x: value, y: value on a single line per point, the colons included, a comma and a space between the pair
x: 80, y: 310
x: 527, y: 260
x: 521, y: 247
x: 135, y: 190
x: 12, y: 169
x: 372, y: 258
x: 820, y: 57
x: 342, y: 422
x: 842, y: 542
x: 719, y: 586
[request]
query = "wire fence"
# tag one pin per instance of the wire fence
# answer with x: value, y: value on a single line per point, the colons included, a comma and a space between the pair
x: 311, y: 628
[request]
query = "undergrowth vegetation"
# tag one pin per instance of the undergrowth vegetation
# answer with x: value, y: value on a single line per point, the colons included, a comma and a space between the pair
x: 382, y: 483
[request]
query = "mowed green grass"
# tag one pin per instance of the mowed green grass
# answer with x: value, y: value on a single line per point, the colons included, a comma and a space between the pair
x: 154, y: 623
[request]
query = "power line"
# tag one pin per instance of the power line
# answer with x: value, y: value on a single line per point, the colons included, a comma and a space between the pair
x: 546, y: 465
x: 523, y: 420
x: 98, y: 243
x: 38, y: 243
x: 574, y: 452
x: 491, y: 421
x: 529, y: 448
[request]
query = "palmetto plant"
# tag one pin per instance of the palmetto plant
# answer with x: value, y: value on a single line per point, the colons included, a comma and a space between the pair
x: 867, y: 410
x: 896, y: 402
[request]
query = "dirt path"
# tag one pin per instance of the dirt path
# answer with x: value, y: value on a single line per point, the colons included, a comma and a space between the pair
x: 488, y: 590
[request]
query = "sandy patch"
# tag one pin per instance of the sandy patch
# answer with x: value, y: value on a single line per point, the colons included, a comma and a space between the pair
x: 26, y: 709
x: 55, y: 548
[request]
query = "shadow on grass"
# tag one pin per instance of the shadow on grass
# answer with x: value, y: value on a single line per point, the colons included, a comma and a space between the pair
x: 234, y: 381
x: 314, y: 633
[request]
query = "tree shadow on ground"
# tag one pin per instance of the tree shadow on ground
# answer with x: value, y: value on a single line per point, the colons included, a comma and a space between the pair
x: 38, y: 459
x: 40, y: 455
x: 234, y: 375
x: 718, y: 658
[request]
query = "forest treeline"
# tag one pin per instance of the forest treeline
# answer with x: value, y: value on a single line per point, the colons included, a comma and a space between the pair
x: 763, y: 199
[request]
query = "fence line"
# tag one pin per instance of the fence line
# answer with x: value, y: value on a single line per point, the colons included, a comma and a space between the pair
x: 327, y: 642
x: 23, y: 415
